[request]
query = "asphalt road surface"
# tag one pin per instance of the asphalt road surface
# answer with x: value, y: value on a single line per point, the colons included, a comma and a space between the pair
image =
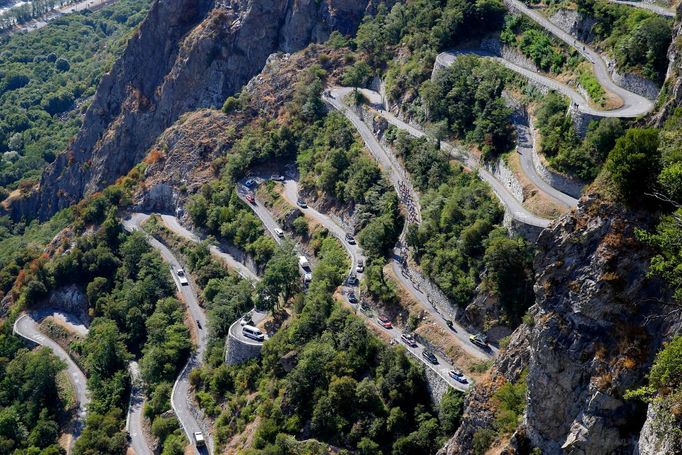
x: 291, y: 194
x: 658, y: 9
x: 633, y: 105
x: 135, y: 418
x: 181, y: 395
x: 513, y: 206
x: 27, y: 327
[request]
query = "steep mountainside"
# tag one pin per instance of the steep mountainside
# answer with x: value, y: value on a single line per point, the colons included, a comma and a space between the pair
x: 598, y: 322
x: 188, y: 54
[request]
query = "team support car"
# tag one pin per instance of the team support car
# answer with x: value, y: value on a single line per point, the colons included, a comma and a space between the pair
x: 352, y: 280
x: 385, y: 322
x: 409, y: 340
x: 430, y: 356
x: 199, y: 439
x: 350, y: 239
x: 182, y: 277
x: 479, y: 340
x: 302, y: 203
x: 352, y: 298
x: 360, y: 267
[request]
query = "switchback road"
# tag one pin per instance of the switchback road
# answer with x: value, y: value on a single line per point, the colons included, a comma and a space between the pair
x: 634, y: 105
x: 26, y: 326
x: 181, y: 401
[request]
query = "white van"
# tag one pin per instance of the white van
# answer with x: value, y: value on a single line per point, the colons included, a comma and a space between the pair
x: 303, y: 262
x: 252, y: 332
x: 279, y: 233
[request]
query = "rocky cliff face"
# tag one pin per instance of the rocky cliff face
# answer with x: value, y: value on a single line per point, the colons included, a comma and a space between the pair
x: 187, y: 55
x: 597, y: 326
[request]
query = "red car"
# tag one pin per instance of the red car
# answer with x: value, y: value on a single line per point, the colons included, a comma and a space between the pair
x: 251, y: 199
x: 385, y: 322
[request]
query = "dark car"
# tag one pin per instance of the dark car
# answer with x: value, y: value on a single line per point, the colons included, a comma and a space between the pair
x: 352, y: 298
x: 430, y: 356
x: 350, y: 239
x: 352, y: 280
x: 302, y: 203
x: 250, y: 183
x: 385, y: 322
x: 198, y: 324
x: 458, y: 376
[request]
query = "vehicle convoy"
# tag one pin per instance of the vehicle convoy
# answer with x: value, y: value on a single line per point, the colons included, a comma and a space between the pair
x: 182, y: 278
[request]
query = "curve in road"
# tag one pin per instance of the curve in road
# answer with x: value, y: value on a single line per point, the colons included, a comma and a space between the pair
x: 27, y: 327
x: 291, y: 194
x: 511, y: 204
x: 634, y: 105
x: 182, y: 405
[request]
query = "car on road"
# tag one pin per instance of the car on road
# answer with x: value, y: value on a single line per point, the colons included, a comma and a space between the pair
x: 246, y: 320
x: 352, y: 280
x: 360, y: 267
x: 307, y: 277
x: 350, y: 239
x: 458, y: 376
x: 199, y: 439
x: 252, y: 332
x: 430, y: 356
x: 277, y: 178
x: 182, y: 278
x: 303, y: 262
x: 198, y: 324
x: 479, y: 340
x: 409, y: 340
x: 450, y: 325
x: 385, y: 322
x: 352, y: 298
x: 302, y: 203
x: 250, y: 183
x: 279, y: 233
x: 251, y: 199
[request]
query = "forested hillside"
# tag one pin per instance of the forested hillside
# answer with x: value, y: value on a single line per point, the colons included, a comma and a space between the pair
x: 373, y: 227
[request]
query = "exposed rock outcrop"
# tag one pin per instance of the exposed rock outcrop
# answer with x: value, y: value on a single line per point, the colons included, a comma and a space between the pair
x: 597, y: 326
x: 187, y: 55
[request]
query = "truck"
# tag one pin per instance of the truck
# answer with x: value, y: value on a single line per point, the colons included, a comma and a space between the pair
x: 303, y: 262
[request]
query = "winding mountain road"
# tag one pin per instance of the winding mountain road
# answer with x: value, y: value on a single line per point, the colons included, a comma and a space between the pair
x: 135, y: 418
x: 181, y: 395
x: 634, y: 105
x: 291, y: 194
x: 26, y: 326
x: 511, y: 204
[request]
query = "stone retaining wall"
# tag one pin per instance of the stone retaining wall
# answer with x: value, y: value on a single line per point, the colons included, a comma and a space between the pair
x: 504, y: 174
x: 554, y: 179
x: 436, y: 385
x: 237, y: 351
x: 514, y: 226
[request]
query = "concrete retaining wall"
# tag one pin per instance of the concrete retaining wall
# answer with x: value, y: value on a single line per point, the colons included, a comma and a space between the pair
x: 436, y: 385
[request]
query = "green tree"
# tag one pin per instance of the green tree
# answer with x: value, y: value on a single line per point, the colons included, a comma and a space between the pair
x: 634, y: 163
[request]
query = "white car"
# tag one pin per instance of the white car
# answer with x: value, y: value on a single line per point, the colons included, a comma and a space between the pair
x: 279, y: 233
x: 182, y: 277
x: 199, y: 439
